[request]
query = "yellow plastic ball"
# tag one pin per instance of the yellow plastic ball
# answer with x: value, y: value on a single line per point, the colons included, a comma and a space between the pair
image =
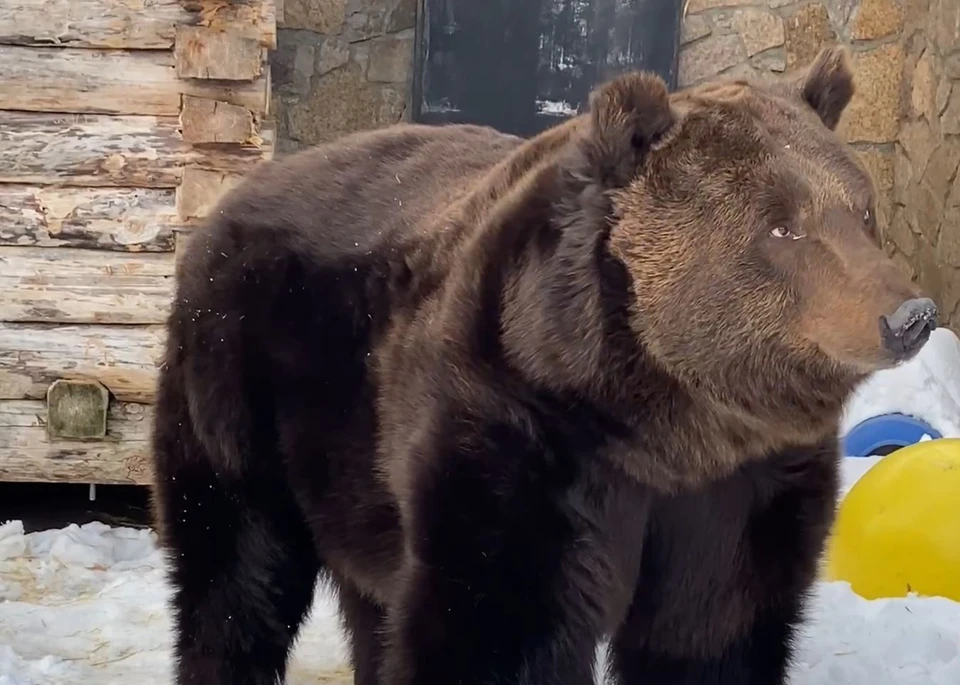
x: 898, y: 529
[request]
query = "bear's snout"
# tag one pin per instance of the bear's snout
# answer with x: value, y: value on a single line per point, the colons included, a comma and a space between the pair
x: 907, y: 330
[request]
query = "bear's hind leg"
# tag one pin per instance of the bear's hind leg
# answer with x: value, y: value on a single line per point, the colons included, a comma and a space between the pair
x: 243, y: 570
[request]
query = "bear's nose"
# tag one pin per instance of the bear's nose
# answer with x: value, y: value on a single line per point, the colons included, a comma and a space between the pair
x: 907, y: 330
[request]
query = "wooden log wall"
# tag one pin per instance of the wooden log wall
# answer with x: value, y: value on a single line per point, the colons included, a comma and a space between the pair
x: 121, y: 123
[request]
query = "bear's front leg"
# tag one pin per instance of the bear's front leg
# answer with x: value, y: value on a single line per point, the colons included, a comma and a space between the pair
x: 725, y: 575
x: 507, y: 580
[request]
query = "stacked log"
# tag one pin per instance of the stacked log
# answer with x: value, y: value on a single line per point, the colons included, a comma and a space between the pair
x: 121, y: 123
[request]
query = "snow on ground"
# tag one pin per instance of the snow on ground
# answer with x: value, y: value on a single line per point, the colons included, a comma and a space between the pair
x: 87, y: 606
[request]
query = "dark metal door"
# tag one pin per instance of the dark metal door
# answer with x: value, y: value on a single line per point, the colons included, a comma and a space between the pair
x: 524, y: 65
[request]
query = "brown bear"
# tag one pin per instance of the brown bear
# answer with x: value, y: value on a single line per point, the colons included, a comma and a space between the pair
x: 519, y: 398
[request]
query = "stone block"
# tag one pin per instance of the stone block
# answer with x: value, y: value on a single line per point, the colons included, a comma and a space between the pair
x: 365, y: 20
x: 340, y: 102
x: 697, y: 6
x: 806, y: 32
x: 951, y: 66
x: 904, y: 265
x: 916, y: 14
x: 694, y: 27
x: 333, y: 54
x: 292, y: 63
x: 923, y: 92
x: 77, y: 410
x: 772, y: 60
x: 722, y: 20
x: 937, y: 278
x: 393, y: 106
x: 322, y: 16
x: 841, y: 11
x: 278, y: 111
x: 874, y: 112
x: 944, y: 90
x: 403, y: 15
x: 303, y: 61
x: 745, y: 71
x: 709, y: 57
x: 759, y: 29
x: 919, y: 141
x: 928, y: 270
x: 391, y: 60
x: 945, y: 20
x: 902, y: 176
x: 879, y: 164
x: 928, y: 212
x: 898, y: 232
x: 953, y: 196
x: 942, y: 167
x: 950, y: 294
x: 950, y: 119
x: 876, y: 19
x: 948, y: 247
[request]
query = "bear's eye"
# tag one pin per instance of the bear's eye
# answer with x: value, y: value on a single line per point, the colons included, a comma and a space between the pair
x: 867, y: 216
x: 782, y: 232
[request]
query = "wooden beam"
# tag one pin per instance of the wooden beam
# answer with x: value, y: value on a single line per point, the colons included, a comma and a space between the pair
x: 111, y: 82
x: 210, y: 121
x: 128, y: 24
x: 200, y: 191
x: 101, y: 150
x: 67, y: 285
x: 92, y: 23
x: 224, y: 54
x: 119, y: 219
x: 27, y: 454
x: 124, y: 358
x: 256, y: 18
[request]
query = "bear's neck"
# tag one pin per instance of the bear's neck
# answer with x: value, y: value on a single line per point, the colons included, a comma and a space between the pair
x: 565, y: 330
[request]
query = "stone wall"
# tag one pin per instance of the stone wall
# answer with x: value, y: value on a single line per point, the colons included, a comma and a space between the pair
x: 924, y: 233
x: 346, y: 65
x: 766, y: 37
x: 340, y: 66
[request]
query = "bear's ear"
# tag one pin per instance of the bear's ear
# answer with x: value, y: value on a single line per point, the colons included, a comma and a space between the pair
x: 627, y: 116
x: 828, y: 85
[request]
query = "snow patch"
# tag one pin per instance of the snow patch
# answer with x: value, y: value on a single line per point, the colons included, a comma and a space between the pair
x: 88, y: 605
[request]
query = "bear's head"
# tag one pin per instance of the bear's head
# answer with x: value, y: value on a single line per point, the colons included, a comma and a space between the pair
x: 748, y: 232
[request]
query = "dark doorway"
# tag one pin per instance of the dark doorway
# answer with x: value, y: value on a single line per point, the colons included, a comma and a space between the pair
x: 524, y: 65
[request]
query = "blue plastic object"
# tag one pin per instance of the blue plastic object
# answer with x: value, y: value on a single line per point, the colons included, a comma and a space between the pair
x: 884, y: 434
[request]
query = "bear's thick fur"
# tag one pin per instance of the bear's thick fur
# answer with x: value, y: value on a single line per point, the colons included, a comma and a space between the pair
x: 515, y: 398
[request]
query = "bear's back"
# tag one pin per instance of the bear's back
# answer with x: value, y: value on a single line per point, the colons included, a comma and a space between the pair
x: 356, y: 194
